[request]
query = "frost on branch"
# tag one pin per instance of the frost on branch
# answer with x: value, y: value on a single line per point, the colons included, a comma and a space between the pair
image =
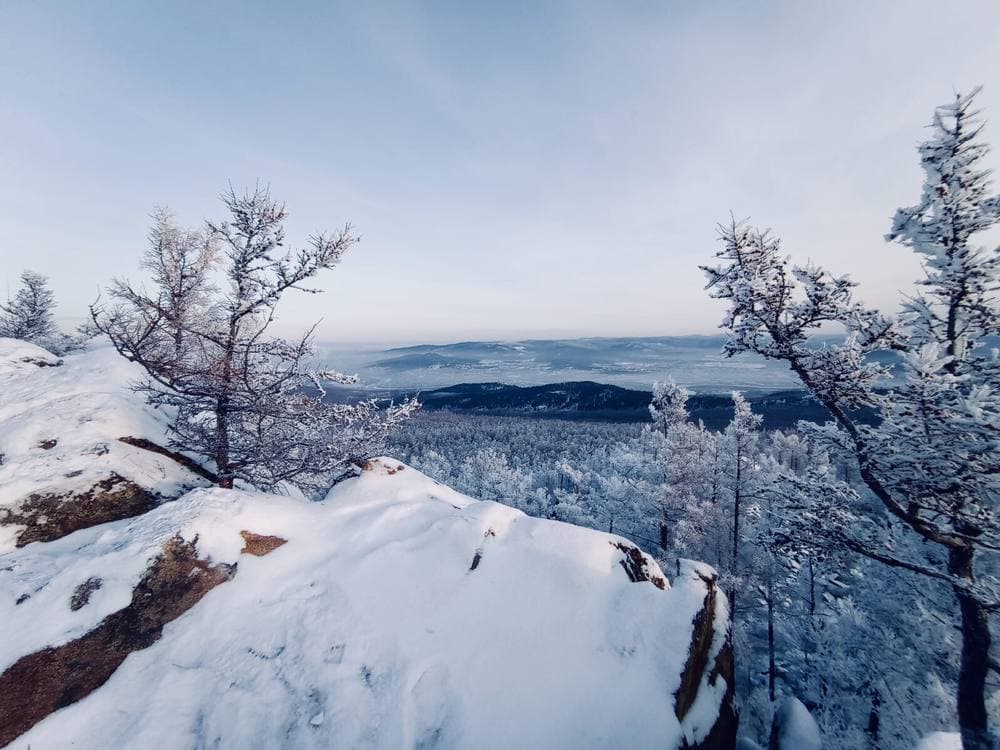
x: 28, y: 316
x: 241, y: 398
x: 932, y: 462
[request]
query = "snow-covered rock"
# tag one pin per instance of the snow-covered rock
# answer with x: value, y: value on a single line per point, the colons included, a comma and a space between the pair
x: 794, y: 727
x: 396, y: 613
x: 369, y: 627
x: 941, y: 741
x: 62, y: 463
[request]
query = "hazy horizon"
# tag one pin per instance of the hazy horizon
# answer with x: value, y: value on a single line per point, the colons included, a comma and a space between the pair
x: 515, y: 172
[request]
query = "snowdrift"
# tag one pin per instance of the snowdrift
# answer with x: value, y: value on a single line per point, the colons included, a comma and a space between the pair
x: 396, y: 613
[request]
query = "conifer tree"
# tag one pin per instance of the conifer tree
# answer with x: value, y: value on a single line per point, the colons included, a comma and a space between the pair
x: 28, y: 316
x: 932, y: 463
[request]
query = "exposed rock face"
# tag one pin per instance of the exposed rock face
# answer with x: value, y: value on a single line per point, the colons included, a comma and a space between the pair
x: 81, y: 595
x: 44, y: 681
x: 709, y: 666
x: 48, y: 516
x: 258, y: 544
x: 637, y: 565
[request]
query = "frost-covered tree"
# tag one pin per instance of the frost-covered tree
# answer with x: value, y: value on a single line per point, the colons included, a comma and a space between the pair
x: 180, y: 263
x: 932, y: 464
x: 689, y: 499
x: 738, y: 464
x: 28, y: 316
x: 488, y: 475
x: 241, y: 398
x: 668, y: 406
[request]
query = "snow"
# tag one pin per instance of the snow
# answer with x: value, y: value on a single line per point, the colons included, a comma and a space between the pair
x: 368, y: 628
x: 84, y: 405
x: 941, y: 741
x: 797, y: 730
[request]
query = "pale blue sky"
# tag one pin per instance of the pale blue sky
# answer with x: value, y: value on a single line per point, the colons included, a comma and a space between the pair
x: 515, y: 169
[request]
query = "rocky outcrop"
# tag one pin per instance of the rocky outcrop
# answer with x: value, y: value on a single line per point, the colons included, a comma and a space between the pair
x: 46, y: 516
x: 47, y: 680
x: 637, y: 565
x: 259, y: 544
x: 709, y: 673
x: 355, y: 621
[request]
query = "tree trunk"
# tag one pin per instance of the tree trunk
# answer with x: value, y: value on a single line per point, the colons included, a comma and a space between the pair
x: 772, y: 669
x: 222, y: 443
x: 874, y: 718
x: 222, y: 407
x: 972, y: 719
x: 737, y: 496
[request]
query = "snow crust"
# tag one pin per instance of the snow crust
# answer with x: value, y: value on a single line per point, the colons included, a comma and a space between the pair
x: 367, y: 629
x: 84, y: 405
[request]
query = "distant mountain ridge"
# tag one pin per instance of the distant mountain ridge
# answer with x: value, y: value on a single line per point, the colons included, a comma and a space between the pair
x: 588, y: 400
x: 600, y: 401
x: 695, y: 361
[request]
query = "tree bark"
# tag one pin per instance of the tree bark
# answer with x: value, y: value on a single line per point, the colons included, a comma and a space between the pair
x: 737, y: 497
x: 874, y: 719
x: 972, y: 718
x: 222, y: 443
x: 772, y: 669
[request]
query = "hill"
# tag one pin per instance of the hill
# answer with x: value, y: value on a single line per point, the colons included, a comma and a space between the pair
x: 395, y: 613
x: 603, y: 402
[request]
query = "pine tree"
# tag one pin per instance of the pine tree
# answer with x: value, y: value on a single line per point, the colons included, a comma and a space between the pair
x: 29, y: 315
x: 668, y: 406
x: 739, y: 466
x: 932, y: 464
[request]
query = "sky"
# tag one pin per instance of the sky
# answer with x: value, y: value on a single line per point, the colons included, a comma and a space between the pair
x: 514, y: 170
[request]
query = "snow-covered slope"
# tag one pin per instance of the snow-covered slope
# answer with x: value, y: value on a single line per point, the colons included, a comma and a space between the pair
x: 61, y: 458
x: 396, y: 613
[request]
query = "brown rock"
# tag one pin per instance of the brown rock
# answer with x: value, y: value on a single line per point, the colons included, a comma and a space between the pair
x: 259, y: 545
x: 723, y: 733
x: 49, y: 516
x: 47, y: 680
x: 636, y: 566
x: 81, y: 596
